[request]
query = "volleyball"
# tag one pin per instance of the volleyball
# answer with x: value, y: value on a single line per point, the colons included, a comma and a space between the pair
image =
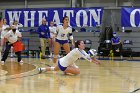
x: 92, y: 52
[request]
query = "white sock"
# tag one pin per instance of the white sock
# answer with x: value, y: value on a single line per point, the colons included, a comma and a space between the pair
x: 43, y: 69
x: 52, y: 68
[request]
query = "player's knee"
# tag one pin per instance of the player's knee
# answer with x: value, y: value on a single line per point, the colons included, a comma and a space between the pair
x: 77, y: 72
x: 67, y: 50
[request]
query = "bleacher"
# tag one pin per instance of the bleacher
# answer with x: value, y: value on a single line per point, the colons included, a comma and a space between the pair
x: 134, y: 36
x: 34, y: 43
x: 91, y: 34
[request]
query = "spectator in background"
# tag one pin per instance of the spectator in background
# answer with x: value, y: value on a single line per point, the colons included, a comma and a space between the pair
x: 63, y: 30
x: 44, y: 35
x: 116, y: 44
x: 52, y: 36
x: 11, y: 37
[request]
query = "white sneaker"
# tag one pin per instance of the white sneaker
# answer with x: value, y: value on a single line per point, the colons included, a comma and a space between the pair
x: 2, y: 62
x: 21, y: 62
x: 40, y: 70
x: 12, y: 56
x: 117, y: 50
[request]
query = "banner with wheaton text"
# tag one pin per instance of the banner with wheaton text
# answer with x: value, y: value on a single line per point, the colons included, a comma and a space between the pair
x: 78, y: 16
x: 130, y: 17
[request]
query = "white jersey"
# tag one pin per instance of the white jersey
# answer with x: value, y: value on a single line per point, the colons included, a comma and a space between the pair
x: 71, y: 57
x: 11, y: 37
x: 4, y: 31
x: 52, y: 31
x: 62, y: 34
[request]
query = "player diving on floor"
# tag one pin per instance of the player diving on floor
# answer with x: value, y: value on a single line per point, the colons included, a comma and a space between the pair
x: 67, y: 63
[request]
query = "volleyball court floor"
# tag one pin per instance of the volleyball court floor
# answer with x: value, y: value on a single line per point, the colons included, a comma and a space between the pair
x: 109, y: 77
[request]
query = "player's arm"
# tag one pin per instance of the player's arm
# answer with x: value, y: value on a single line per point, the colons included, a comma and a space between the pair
x: 8, y: 28
x: 71, y: 37
x: 19, y: 35
x: 57, y: 30
x: 85, y: 55
x: 90, y: 59
x: 7, y: 35
x: 95, y: 60
x: 20, y: 25
x: 5, y: 40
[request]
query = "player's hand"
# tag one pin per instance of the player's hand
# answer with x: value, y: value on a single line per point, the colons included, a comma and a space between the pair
x: 96, y: 61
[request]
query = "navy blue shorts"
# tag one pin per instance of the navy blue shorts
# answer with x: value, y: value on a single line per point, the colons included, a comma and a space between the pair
x: 62, y: 42
x: 61, y: 67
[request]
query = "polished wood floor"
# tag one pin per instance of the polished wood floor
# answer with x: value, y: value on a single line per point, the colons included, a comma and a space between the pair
x: 109, y: 77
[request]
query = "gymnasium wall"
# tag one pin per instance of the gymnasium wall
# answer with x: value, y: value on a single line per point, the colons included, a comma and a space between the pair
x: 8, y: 4
x: 112, y: 11
x: 65, y: 3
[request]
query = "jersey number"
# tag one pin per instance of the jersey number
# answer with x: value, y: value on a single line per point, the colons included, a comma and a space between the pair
x: 62, y: 35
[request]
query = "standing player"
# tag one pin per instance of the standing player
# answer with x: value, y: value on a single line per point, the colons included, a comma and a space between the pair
x: 11, y: 37
x: 5, y: 29
x: 67, y: 63
x: 52, y: 36
x: 62, y: 38
x: 17, y: 24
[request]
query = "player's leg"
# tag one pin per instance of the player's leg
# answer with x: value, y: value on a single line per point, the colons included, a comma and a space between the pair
x: 72, y: 70
x: 6, y: 52
x: 53, y: 41
x: 50, y: 46
x: 66, y: 48
x: 56, y: 68
x: 19, y: 56
x: 12, y: 52
x: 56, y: 51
